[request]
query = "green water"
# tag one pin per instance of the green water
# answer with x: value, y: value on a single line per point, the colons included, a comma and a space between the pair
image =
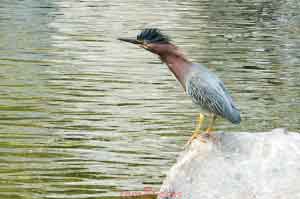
x: 83, y: 115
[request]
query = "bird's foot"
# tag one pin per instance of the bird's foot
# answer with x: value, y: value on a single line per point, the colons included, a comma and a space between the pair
x: 195, y: 135
x: 209, y: 134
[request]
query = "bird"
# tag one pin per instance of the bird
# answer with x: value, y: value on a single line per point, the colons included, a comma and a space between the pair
x: 202, y: 85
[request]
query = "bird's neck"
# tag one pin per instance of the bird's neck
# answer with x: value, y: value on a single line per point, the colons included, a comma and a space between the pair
x: 178, y: 64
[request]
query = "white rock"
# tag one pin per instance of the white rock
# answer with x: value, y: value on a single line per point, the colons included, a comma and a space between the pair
x: 238, y: 166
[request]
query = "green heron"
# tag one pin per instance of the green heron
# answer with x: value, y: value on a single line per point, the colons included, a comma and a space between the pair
x: 204, y: 87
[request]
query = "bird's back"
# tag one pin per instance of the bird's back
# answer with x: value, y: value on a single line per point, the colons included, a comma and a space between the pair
x: 207, y: 90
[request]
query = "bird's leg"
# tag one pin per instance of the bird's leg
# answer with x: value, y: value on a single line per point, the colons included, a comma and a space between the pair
x: 196, y: 133
x: 210, y: 127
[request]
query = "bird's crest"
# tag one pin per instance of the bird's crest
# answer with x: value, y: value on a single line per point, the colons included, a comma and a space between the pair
x: 153, y: 35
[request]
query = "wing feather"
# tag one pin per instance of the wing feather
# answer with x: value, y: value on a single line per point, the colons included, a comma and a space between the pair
x: 210, y: 93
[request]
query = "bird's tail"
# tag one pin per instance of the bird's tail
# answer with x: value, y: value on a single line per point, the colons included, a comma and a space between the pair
x: 235, y: 116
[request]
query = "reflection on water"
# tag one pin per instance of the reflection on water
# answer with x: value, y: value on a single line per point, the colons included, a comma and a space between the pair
x: 85, y: 116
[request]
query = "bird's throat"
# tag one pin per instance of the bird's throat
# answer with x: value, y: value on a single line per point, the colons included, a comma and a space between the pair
x: 178, y: 64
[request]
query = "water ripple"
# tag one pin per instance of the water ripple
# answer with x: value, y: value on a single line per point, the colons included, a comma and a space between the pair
x: 85, y: 116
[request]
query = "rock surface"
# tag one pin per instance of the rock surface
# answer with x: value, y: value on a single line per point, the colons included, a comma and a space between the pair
x: 237, y: 166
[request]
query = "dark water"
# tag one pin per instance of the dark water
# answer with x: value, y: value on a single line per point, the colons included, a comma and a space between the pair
x: 85, y: 116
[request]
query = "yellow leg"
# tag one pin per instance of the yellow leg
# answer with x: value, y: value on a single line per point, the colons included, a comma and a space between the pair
x: 197, y: 131
x: 210, y: 127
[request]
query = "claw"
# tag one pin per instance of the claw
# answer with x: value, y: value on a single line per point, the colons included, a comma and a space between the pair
x: 193, y: 137
x: 209, y: 131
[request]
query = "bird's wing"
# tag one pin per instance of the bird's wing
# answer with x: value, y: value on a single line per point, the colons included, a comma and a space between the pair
x: 206, y: 96
x: 211, y: 94
x: 227, y: 94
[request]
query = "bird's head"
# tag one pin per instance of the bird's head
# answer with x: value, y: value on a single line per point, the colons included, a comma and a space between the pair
x: 153, y: 40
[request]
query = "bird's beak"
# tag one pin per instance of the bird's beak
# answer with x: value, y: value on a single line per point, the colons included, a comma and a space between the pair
x: 133, y: 41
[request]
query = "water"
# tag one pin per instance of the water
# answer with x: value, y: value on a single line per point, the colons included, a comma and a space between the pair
x: 83, y: 115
